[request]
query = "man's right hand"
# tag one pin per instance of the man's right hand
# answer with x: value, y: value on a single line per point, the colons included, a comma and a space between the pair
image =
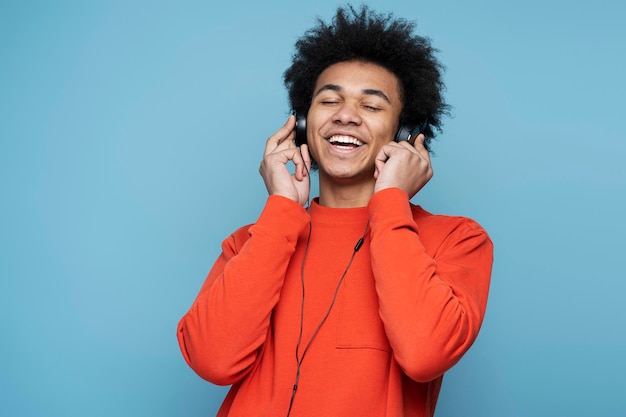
x: 279, y: 150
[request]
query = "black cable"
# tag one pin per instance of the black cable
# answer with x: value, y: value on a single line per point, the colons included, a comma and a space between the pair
x: 299, y: 359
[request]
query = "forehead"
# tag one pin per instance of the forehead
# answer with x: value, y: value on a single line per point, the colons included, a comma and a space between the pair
x: 355, y: 77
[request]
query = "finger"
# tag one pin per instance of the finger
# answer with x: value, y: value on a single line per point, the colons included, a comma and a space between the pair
x: 286, y: 132
x: 306, y: 156
x: 302, y: 163
x: 378, y: 165
x: 419, y: 144
x: 385, y: 152
x: 382, y: 157
x: 423, y: 152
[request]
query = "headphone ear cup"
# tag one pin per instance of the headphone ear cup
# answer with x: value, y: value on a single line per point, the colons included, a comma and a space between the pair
x: 300, y: 129
x: 404, y: 133
x: 407, y: 130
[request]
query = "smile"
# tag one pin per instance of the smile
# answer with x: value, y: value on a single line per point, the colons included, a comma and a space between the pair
x: 345, y: 141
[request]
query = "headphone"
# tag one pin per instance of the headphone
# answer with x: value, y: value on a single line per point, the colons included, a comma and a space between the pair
x: 405, y: 132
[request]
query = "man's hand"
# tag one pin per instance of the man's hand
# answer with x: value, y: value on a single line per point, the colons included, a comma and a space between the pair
x: 403, y: 165
x: 279, y: 150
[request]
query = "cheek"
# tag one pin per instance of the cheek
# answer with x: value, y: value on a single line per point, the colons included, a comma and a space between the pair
x: 313, y: 152
x: 313, y: 125
x: 312, y: 143
x: 385, y: 133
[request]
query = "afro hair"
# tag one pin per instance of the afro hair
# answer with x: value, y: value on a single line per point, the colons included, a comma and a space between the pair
x: 367, y: 36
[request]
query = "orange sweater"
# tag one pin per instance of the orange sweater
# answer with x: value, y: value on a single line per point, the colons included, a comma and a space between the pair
x: 410, y: 306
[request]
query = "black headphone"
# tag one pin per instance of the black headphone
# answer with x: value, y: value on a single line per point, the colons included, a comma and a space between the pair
x: 405, y: 132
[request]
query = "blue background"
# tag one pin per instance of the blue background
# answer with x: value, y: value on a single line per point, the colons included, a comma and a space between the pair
x: 130, y: 138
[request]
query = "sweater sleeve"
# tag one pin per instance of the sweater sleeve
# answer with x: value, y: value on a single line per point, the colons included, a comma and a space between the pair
x: 223, y: 331
x: 432, y: 302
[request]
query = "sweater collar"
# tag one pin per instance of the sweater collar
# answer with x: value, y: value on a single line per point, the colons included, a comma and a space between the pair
x: 337, y: 215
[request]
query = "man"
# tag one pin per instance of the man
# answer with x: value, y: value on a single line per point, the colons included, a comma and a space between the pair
x: 357, y: 303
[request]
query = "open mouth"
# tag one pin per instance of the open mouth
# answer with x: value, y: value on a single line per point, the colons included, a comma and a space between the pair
x: 345, y: 142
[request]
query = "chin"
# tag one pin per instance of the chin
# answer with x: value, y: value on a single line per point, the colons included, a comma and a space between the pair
x: 349, y: 173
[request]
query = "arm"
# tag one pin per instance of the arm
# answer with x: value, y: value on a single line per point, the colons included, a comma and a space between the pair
x: 222, y: 333
x: 432, y: 299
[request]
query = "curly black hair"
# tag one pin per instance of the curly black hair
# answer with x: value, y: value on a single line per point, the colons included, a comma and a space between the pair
x: 382, y: 39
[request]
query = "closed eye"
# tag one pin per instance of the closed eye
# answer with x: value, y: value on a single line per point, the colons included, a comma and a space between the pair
x: 371, y: 108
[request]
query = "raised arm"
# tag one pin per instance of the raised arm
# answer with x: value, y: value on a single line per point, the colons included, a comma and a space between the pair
x: 432, y: 282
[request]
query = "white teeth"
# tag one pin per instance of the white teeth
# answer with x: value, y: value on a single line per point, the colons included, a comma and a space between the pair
x: 345, y: 140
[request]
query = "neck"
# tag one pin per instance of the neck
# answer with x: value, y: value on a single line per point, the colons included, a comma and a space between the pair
x: 348, y: 195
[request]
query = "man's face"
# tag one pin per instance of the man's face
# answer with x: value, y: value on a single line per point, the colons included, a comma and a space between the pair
x: 354, y: 112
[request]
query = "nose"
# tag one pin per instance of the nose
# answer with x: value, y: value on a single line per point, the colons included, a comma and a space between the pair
x: 347, y: 113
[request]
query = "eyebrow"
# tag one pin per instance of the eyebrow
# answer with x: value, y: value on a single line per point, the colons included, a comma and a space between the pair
x: 367, y: 91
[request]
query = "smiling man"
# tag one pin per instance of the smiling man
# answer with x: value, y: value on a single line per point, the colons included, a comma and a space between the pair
x: 357, y: 303
x: 353, y: 114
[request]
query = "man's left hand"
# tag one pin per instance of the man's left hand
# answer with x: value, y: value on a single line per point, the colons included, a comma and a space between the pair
x: 403, y: 165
